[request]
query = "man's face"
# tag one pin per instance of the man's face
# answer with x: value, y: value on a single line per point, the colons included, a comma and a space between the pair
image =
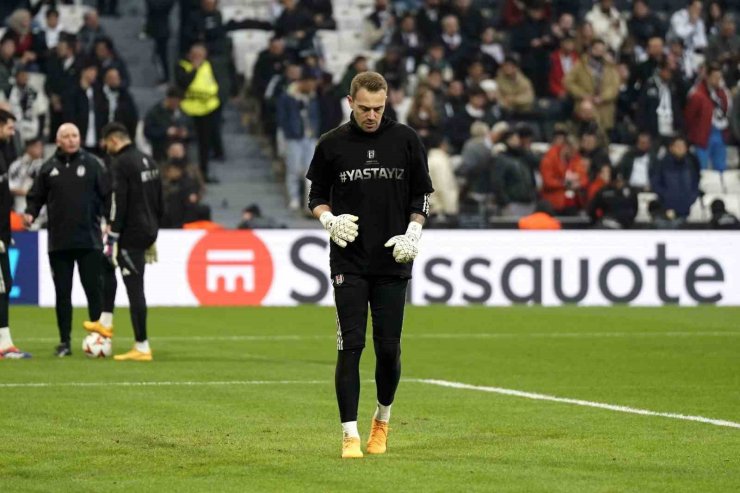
x: 728, y: 28
x: 450, y: 25
x: 63, y: 49
x: 568, y: 45
x: 508, y: 69
x: 478, y: 101
x: 21, y: 79
x: 176, y: 151
x: 643, y: 143
x: 197, y: 54
x: 566, y: 22
x: 208, y: 5
x: 90, y: 74
x: 598, y: 50
x: 68, y: 139
x: 52, y: 21
x: 715, y: 79
x: 588, y: 142
x: 7, y: 131
x: 172, y: 103
x: 36, y: 151
x: 655, y: 47
x: 277, y: 47
x: 101, y: 51
x: 640, y: 10
x: 678, y: 148
x: 368, y: 108
x: 695, y: 9
x: 7, y: 49
x: 92, y: 20
x: 113, y: 79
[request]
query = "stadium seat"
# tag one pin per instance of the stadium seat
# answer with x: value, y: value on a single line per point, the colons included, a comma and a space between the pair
x: 643, y: 200
x: 733, y: 159
x: 701, y: 212
x: 711, y: 181
x: 250, y: 41
x: 616, y: 151
x: 731, y: 179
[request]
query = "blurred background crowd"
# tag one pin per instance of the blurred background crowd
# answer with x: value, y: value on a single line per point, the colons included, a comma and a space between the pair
x: 535, y: 114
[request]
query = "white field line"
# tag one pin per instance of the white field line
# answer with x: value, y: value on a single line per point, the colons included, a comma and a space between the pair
x: 456, y: 335
x: 440, y: 383
x: 577, y: 402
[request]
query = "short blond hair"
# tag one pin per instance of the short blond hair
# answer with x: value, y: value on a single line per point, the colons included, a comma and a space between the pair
x: 371, y: 81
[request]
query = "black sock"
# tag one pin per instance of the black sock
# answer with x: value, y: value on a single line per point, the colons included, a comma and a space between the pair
x: 387, y: 370
x: 347, y: 383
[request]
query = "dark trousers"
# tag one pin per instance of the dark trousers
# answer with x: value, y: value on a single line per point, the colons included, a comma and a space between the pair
x: 203, y: 128
x: 386, y: 296
x: 217, y: 141
x: 161, y: 49
x: 131, y: 263
x: 6, y: 284
x: 108, y: 7
x: 62, y: 268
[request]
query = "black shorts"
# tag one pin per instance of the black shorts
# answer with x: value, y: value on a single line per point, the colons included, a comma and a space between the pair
x: 386, y: 296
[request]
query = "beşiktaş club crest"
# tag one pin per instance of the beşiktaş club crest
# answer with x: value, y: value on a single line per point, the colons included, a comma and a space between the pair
x: 81, y: 171
x: 371, y: 154
x: 339, y: 279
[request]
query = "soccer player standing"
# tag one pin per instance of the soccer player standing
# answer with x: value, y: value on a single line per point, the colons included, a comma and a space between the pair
x: 369, y: 181
x: 7, y: 348
x: 75, y: 188
x: 136, y: 209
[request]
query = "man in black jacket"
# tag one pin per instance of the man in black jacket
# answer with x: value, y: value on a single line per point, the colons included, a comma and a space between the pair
x: 7, y: 348
x: 165, y: 123
x: 372, y: 173
x: 74, y: 187
x: 660, y: 104
x: 80, y: 108
x: 62, y: 72
x: 136, y: 210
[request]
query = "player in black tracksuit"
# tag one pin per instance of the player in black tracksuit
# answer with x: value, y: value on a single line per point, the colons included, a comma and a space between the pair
x: 7, y: 348
x: 74, y: 186
x: 136, y: 210
x: 369, y: 183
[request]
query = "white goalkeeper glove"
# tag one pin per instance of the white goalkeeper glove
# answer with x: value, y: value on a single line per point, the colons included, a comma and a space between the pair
x: 150, y: 255
x: 405, y: 247
x: 342, y: 229
x: 110, y: 248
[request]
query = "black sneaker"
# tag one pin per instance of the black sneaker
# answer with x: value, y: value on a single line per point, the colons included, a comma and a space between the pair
x: 62, y: 350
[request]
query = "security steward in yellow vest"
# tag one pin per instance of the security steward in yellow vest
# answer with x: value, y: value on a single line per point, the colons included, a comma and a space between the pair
x: 194, y: 76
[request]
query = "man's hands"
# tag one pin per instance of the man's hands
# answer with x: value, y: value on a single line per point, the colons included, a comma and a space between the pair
x: 405, y: 247
x: 110, y: 248
x: 150, y: 255
x: 342, y: 229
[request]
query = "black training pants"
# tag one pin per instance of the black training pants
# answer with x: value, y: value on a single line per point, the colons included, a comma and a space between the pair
x: 6, y: 284
x: 386, y: 297
x: 62, y: 268
x: 203, y: 134
x: 131, y: 262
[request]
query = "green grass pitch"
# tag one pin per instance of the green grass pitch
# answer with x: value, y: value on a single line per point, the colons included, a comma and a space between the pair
x: 192, y: 433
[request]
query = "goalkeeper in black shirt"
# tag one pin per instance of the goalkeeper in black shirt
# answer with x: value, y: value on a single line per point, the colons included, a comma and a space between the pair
x: 135, y: 212
x: 369, y: 183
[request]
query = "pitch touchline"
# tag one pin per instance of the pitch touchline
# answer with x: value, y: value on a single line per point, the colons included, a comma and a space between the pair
x: 440, y: 383
x: 479, y: 335
x: 576, y: 402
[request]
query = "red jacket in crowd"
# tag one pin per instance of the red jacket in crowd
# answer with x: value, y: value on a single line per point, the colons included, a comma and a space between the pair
x: 556, y: 77
x: 554, y: 170
x: 698, y: 113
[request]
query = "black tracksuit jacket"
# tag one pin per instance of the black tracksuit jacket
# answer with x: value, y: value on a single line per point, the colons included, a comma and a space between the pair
x: 381, y: 177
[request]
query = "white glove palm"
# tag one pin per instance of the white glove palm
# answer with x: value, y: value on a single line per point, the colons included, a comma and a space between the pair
x: 405, y: 247
x: 342, y: 229
x: 150, y: 255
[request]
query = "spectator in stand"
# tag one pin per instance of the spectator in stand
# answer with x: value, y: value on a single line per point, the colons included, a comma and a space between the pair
x: 108, y: 8
x: 735, y: 118
x: 458, y: 127
x: 608, y: 24
x: 637, y: 164
x: 30, y: 43
x: 434, y: 60
x: 424, y: 117
x: 644, y: 24
x: 182, y: 189
x: 107, y: 58
x: 455, y: 100
x: 584, y: 37
x: 686, y: 63
x: 706, y: 117
x: 409, y: 39
x: 614, y: 206
x: 476, y: 73
x: 165, y: 123
x: 62, y: 72
x: 252, y: 218
x: 194, y: 76
x: 429, y: 19
x: 562, y: 62
x: 117, y: 104
x: 491, y: 49
x: 28, y: 106
x: 516, y: 94
x: 565, y: 27
x: 600, y: 179
x: 721, y: 219
x: 157, y: 27
x: 270, y: 63
x: 23, y: 171
x: 458, y: 50
x: 724, y: 49
x: 359, y: 64
x: 321, y: 12
x: 713, y: 15
x: 397, y: 105
x: 90, y: 32
x: 528, y: 155
x: 513, y: 186
x: 52, y: 29
x: 655, y: 56
x: 299, y: 119
x: 688, y: 26
x: 8, y: 65
x: 379, y: 26
x: 585, y: 119
x: 676, y: 179
x: 533, y: 42
x: 564, y: 178
x: 594, y: 78
x: 444, y: 202
x: 659, y: 108
x: 330, y: 104
x: 541, y: 219
x: 392, y: 67
x: 660, y: 218
x: 80, y: 108
x: 593, y: 154
x: 472, y: 20
x: 434, y: 83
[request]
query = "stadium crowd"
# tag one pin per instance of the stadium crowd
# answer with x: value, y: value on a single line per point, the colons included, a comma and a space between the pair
x: 528, y: 109
x: 485, y: 84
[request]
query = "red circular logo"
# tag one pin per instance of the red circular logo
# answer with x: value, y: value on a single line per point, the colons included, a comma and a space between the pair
x: 230, y: 268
